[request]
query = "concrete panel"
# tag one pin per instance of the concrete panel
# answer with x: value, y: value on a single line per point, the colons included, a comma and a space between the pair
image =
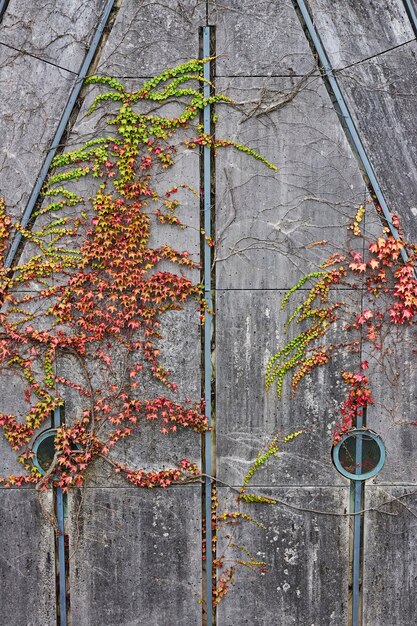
x: 33, y: 97
x: 390, y: 565
x: 147, y: 447
x: 12, y: 401
x: 27, y: 571
x: 149, y: 37
x: 265, y: 219
x: 381, y: 95
x: 261, y: 38
x: 180, y: 346
x: 307, y: 582
x: 353, y: 30
x: 392, y: 376
x: 249, y: 327
x: 58, y: 32
x: 136, y: 557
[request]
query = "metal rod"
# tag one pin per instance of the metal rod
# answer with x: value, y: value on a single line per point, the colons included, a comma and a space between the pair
x: 357, y: 527
x: 59, y: 503
x: 411, y: 12
x: 3, y: 7
x: 85, y: 66
x: 351, y: 128
x: 59, y: 507
x: 207, y: 331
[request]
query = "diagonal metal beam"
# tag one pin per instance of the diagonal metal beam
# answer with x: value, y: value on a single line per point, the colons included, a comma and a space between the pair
x: 350, y: 127
x: 411, y: 12
x: 56, y: 142
x: 3, y: 7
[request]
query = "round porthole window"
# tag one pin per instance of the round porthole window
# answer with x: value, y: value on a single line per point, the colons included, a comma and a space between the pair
x: 44, y: 450
x: 359, y: 455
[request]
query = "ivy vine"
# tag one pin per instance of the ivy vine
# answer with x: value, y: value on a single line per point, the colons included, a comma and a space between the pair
x: 92, y: 288
x: 390, y: 286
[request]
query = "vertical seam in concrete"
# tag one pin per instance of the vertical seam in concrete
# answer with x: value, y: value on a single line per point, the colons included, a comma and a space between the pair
x: 208, y: 332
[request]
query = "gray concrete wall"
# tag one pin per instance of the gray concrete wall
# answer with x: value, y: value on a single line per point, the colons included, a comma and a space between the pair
x: 136, y: 555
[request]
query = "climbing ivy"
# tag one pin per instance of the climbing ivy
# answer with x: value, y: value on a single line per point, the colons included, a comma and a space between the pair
x: 390, y: 285
x: 91, y: 288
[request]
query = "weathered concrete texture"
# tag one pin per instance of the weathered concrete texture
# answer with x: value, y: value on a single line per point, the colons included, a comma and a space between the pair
x: 261, y: 38
x: 27, y: 572
x: 249, y: 328
x: 12, y: 401
x: 137, y: 558
x: 392, y: 376
x: 265, y: 219
x: 390, y: 566
x: 33, y: 97
x: 185, y: 171
x: 58, y: 32
x: 353, y: 30
x: 381, y: 95
x: 147, y: 447
x: 149, y: 37
x: 180, y: 346
x: 308, y: 553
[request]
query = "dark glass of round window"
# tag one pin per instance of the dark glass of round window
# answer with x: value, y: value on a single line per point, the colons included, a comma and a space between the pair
x: 44, y: 450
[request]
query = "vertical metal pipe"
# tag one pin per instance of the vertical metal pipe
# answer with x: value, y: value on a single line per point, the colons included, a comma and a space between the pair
x: 59, y: 507
x: 59, y: 503
x: 85, y: 66
x: 351, y: 128
x: 207, y: 331
x: 357, y: 528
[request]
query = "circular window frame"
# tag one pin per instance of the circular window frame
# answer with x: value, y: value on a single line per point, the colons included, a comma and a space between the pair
x: 367, y: 475
x: 40, y: 439
x: 45, y: 434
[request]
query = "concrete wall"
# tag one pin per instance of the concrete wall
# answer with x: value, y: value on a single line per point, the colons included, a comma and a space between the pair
x: 136, y: 555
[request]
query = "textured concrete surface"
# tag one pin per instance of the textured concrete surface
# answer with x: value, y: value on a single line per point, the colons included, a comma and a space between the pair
x: 392, y: 374
x: 148, y: 37
x: 353, y: 30
x: 265, y: 219
x: 137, y: 557
x: 390, y: 565
x: 261, y: 38
x: 147, y: 447
x: 307, y: 582
x: 27, y: 561
x: 58, y: 32
x: 12, y: 401
x: 381, y: 95
x: 38, y: 91
x: 249, y: 329
x: 180, y: 348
